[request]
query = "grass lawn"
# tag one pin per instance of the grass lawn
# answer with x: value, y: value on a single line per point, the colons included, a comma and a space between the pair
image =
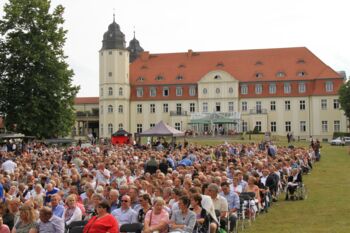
x: 327, y: 208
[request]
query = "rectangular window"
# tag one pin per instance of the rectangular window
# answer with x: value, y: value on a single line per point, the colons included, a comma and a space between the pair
x: 287, y: 88
x: 324, y: 126
x: 205, y: 107
x: 288, y: 126
x: 273, y: 105
x: 177, y: 126
x: 272, y: 88
x: 165, y: 108
x: 153, y: 91
x: 101, y: 129
x: 178, y: 109
x: 165, y: 91
x: 302, y: 126
x: 244, y: 106
x: 139, y: 128
x: 244, y: 126
x: 302, y: 104
x: 110, y: 74
x: 258, y: 89
x: 152, y: 108
x: 192, y: 91
x: 336, y: 104
x: 139, y: 108
x: 273, y: 126
x: 101, y: 111
x: 258, y: 107
x: 336, y: 126
x: 218, y: 107
x: 230, y: 107
x: 324, y: 104
x: 302, y: 87
x: 152, y: 125
x: 329, y: 86
x: 192, y: 107
x: 244, y: 89
x: 258, y: 126
x: 178, y: 91
x: 139, y: 92
x: 287, y: 105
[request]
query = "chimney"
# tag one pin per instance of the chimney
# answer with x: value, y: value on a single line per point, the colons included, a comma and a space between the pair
x: 144, y: 56
x: 189, y: 53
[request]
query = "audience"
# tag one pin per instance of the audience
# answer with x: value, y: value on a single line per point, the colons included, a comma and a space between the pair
x: 40, y: 185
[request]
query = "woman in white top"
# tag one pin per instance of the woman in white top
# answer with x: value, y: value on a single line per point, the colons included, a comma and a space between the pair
x: 72, y: 212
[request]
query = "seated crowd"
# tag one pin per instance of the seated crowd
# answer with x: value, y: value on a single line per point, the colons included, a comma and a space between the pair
x: 192, y: 189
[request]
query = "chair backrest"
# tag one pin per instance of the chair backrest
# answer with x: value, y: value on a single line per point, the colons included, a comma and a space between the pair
x: 131, y: 227
x: 247, y: 195
x: 76, y: 224
x: 76, y: 229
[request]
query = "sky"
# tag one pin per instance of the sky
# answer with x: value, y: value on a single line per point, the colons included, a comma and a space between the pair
x: 166, y: 26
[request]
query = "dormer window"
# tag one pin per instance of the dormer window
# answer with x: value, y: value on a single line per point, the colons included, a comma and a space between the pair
x: 280, y: 74
x: 300, y: 61
x: 220, y: 64
x: 301, y: 73
x: 140, y: 79
x: 143, y: 67
x: 258, y: 63
x: 217, y: 77
x: 159, y: 78
x: 181, y: 66
x: 179, y: 77
x: 258, y: 75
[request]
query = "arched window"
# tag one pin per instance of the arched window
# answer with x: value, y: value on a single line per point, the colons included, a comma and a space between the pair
x: 205, y: 91
x: 110, y: 108
x: 110, y: 128
x: 217, y: 90
x: 120, y: 108
x: 120, y: 91
x: 110, y: 91
x: 120, y: 126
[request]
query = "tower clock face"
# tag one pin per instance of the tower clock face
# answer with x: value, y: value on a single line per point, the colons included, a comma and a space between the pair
x: 110, y: 34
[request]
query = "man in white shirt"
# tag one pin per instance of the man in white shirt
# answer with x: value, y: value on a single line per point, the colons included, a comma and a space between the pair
x: 9, y: 166
x: 102, y: 174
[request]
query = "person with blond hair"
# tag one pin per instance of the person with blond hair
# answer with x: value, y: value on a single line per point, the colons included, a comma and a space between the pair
x: 72, y: 212
x: 27, y: 221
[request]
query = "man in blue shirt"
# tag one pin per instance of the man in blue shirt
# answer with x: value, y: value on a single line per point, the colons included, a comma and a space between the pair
x: 233, y: 203
x: 56, y: 206
x: 50, y: 190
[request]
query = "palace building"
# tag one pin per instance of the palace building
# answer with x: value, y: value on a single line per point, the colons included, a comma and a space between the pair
x: 280, y: 90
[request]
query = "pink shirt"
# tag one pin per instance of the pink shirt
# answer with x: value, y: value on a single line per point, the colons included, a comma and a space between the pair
x: 158, y: 218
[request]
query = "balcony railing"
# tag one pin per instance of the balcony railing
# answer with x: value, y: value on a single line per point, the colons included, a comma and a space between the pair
x: 258, y: 111
x: 87, y: 114
x: 178, y: 113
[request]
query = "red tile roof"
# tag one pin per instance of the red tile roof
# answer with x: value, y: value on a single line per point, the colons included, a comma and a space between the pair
x: 86, y: 100
x: 241, y: 64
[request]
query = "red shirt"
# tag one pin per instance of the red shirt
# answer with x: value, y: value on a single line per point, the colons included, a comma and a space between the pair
x: 102, y: 225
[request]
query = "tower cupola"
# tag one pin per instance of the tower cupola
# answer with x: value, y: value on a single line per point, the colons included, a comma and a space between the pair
x: 113, y: 38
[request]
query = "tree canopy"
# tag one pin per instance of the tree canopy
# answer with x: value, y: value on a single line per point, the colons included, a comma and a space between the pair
x: 36, y: 90
x: 344, y: 98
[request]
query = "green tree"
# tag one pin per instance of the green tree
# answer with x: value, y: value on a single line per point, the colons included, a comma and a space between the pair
x: 344, y: 98
x: 36, y: 90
